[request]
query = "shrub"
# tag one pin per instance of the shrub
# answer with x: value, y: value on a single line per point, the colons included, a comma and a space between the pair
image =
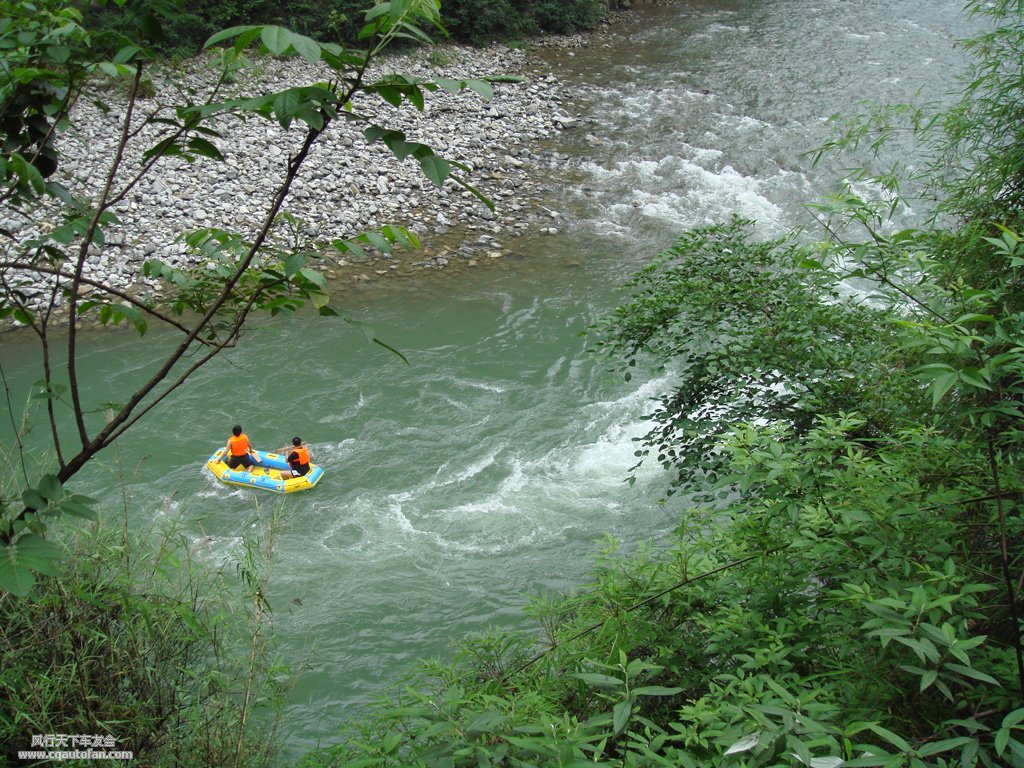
x: 184, y: 27
x: 181, y: 28
x: 481, y: 21
x: 140, y: 642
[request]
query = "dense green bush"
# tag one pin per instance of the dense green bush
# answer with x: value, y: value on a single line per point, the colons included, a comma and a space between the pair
x: 484, y: 21
x: 182, y: 26
x: 481, y: 21
x: 563, y: 18
x: 137, y: 641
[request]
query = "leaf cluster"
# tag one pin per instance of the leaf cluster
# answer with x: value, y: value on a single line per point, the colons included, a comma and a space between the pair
x: 37, y: 46
x: 180, y: 28
x: 750, y: 330
x: 133, y: 641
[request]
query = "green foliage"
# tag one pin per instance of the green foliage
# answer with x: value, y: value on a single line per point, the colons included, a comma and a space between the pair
x: 983, y: 136
x: 180, y: 27
x: 26, y: 552
x: 752, y: 331
x: 564, y: 18
x: 132, y: 641
x: 482, y: 21
x: 37, y: 43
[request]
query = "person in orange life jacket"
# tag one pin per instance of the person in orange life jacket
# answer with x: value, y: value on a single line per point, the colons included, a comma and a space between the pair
x: 238, y: 451
x: 297, y: 457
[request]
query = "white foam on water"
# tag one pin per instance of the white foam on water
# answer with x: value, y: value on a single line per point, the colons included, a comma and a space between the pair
x: 613, y: 229
x: 457, y: 404
x: 394, y: 506
x: 716, y: 29
x: 521, y: 318
x: 555, y: 369
x: 620, y: 423
x: 606, y: 460
x: 493, y: 500
x: 334, y: 454
x: 683, y: 191
x: 361, y: 402
x: 730, y: 122
x: 448, y: 475
x: 486, y: 386
x: 518, y: 479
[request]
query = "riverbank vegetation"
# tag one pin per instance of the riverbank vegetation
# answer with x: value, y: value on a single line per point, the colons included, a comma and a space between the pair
x: 844, y: 450
x: 149, y: 645
x: 183, y: 28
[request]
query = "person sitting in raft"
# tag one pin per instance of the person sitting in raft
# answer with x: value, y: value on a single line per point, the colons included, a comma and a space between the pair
x: 238, y: 452
x: 298, y: 459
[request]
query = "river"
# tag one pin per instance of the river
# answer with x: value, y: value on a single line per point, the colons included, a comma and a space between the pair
x: 492, y: 465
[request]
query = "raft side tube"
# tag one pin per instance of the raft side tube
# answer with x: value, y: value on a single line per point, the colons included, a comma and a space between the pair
x: 269, y: 479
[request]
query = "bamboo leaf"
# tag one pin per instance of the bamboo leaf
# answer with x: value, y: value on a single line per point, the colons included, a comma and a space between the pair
x: 928, y: 678
x: 745, y: 744
x: 596, y: 680
x: 656, y: 690
x: 620, y: 716
x: 945, y: 745
x: 971, y: 673
x: 896, y: 740
x: 941, y: 385
x: 1012, y: 719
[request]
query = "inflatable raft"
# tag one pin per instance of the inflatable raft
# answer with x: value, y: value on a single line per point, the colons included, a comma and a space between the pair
x: 265, y: 475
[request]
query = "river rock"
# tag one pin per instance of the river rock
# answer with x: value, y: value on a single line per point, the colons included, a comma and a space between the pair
x: 345, y: 187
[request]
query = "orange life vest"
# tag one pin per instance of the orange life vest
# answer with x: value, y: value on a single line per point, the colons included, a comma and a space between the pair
x: 239, y: 445
x: 303, y: 455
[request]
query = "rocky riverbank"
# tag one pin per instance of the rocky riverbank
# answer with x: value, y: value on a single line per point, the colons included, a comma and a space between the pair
x: 346, y: 186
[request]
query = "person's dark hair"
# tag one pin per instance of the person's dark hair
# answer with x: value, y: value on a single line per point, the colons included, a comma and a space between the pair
x: 296, y: 441
x: 236, y: 430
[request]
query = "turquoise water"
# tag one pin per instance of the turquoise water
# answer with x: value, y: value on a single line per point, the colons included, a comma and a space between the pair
x: 491, y: 466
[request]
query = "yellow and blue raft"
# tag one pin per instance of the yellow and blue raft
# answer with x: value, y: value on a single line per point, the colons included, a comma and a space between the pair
x: 265, y: 475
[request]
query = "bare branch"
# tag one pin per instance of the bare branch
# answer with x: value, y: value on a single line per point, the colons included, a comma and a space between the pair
x: 87, y: 239
x: 149, y: 309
